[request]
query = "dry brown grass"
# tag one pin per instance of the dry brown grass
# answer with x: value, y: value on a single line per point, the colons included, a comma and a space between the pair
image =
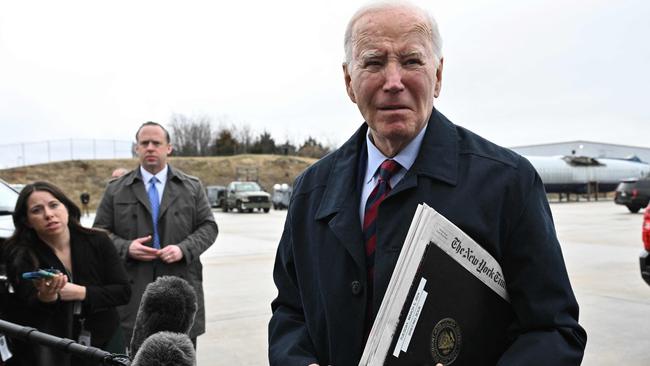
x: 77, y: 176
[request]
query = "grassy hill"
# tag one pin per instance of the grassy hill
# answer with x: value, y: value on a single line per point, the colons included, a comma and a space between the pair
x: 77, y: 176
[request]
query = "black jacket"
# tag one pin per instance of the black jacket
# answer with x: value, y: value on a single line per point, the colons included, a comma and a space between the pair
x: 96, y: 265
x: 491, y: 193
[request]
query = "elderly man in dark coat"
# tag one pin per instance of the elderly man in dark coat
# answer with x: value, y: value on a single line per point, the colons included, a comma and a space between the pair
x: 183, y: 228
x: 336, y: 255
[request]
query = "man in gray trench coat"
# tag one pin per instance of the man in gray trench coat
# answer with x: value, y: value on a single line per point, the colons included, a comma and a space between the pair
x: 185, y: 225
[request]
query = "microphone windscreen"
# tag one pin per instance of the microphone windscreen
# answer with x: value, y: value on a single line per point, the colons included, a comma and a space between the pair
x: 166, y: 349
x: 168, y: 304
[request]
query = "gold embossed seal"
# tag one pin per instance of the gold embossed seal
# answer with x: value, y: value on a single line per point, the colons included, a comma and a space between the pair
x: 446, y: 341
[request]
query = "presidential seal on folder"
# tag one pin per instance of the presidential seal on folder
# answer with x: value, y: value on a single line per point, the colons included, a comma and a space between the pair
x: 446, y: 301
x: 446, y: 341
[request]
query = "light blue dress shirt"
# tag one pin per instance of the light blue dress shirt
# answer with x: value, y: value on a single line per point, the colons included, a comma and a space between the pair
x: 160, y: 185
x: 405, y: 158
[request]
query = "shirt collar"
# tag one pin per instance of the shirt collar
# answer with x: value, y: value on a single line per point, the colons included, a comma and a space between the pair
x: 405, y: 157
x: 161, y: 175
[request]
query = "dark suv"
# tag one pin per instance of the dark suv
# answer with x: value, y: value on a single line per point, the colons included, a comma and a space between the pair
x: 216, y: 195
x: 633, y: 193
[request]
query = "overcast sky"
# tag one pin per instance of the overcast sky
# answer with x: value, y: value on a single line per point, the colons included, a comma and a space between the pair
x: 516, y: 72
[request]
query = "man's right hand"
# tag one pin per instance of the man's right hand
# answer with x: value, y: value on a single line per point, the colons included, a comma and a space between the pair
x: 141, y: 252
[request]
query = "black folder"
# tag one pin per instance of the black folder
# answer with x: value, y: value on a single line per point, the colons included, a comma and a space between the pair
x: 462, y: 320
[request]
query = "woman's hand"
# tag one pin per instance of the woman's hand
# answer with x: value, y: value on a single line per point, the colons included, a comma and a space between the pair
x: 71, y: 292
x: 48, y: 288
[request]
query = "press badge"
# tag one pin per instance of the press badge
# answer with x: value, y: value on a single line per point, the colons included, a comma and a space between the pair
x: 84, y: 335
x: 84, y: 338
x: 5, y: 354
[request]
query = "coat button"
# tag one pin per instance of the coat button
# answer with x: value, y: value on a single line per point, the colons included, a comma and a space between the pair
x: 356, y: 287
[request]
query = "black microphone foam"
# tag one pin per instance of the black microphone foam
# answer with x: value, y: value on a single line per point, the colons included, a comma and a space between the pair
x: 166, y: 349
x: 168, y: 304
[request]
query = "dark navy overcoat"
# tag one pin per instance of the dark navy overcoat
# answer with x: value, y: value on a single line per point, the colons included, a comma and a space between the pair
x: 490, y: 192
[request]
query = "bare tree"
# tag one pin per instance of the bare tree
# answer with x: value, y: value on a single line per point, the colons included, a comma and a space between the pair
x: 243, y: 134
x: 203, y: 134
x: 191, y: 136
x: 194, y: 136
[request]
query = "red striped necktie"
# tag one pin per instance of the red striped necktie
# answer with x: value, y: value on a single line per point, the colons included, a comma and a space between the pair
x: 387, y: 169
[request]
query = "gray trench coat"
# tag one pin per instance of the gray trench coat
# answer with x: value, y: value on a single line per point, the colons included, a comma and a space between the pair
x: 185, y: 219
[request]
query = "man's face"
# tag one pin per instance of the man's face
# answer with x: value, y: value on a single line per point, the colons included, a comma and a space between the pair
x: 392, y: 76
x: 152, y: 148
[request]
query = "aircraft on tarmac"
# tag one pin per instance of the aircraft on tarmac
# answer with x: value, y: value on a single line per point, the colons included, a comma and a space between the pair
x: 582, y: 174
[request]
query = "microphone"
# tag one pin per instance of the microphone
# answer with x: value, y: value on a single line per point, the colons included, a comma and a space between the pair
x: 166, y: 349
x: 168, y: 304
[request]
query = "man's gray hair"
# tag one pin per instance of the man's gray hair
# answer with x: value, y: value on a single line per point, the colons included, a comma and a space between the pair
x: 436, y: 40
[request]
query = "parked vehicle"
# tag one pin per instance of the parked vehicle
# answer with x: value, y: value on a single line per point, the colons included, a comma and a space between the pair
x: 633, y: 193
x: 644, y: 258
x: 246, y: 196
x: 8, y: 197
x: 17, y: 186
x: 216, y: 195
x: 281, y: 196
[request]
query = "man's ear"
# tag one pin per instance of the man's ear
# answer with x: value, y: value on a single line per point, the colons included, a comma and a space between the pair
x: 348, y: 82
x: 436, y: 88
x: 170, y: 148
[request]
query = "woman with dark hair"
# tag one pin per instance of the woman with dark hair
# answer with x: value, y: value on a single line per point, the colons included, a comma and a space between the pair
x: 77, y: 303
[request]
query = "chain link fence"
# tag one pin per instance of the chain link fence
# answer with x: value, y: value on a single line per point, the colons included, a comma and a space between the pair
x: 31, y: 153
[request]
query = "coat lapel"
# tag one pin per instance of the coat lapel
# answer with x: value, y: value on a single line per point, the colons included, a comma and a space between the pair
x: 78, y: 251
x: 171, y: 191
x: 137, y: 187
x: 340, y: 200
x: 438, y: 155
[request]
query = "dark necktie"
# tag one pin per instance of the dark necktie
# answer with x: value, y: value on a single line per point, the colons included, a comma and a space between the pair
x: 387, y: 169
x: 155, y: 208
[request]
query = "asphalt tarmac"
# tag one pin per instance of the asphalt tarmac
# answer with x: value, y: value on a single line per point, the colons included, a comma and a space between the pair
x: 601, y: 242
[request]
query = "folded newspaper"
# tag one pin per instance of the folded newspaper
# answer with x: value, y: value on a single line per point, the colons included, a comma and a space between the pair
x: 446, y: 301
